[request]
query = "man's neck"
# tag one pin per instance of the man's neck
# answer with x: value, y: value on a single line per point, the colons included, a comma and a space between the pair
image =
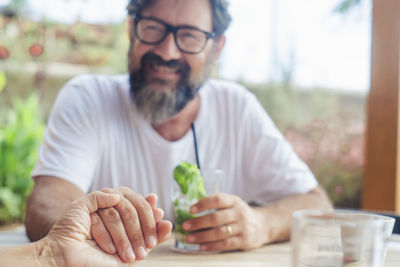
x: 175, y: 128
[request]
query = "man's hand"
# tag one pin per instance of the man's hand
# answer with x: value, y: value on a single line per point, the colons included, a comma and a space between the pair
x: 69, y: 242
x: 128, y: 228
x: 234, y: 224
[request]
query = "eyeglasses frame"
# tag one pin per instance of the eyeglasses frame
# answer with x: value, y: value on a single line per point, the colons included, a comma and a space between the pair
x: 172, y: 29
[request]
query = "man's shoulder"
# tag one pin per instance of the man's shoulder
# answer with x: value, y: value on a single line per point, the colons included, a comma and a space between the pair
x: 91, y: 92
x: 98, y: 81
x: 225, y: 85
x: 95, y: 86
x: 228, y: 90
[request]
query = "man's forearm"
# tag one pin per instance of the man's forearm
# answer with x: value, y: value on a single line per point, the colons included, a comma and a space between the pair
x: 277, y: 217
x: 50, y: 197
x: 40, y: 217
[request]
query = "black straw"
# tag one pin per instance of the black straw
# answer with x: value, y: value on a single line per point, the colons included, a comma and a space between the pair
x: 195, y: 146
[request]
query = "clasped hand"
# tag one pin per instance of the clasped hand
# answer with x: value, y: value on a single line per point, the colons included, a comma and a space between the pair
x: 69, y: 242
x: 130, y: 228
x: 234, y: 225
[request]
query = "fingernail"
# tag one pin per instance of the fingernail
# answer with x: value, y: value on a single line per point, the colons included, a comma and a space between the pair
x: 129, y: 254
x: 186, y: 226
x: 151, y: 241
x: 159, y: 215
x: 194, y: 209
x: 161, y: 212
x: 112, y: 248
x: 141, y: 252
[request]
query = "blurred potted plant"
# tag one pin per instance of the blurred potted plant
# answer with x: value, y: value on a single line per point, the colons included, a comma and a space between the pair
x: 21, y: 131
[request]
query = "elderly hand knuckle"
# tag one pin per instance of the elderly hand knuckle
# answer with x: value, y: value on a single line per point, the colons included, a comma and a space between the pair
x: 110, y: 214
x: 142, y: 205
x: 95, y: 219
x: 103, y: 236
x: 136, y: 237
x: 128, y: 213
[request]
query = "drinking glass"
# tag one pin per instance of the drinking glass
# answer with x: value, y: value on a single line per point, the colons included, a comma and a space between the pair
x: 339, y: 238
x: 211, y: 180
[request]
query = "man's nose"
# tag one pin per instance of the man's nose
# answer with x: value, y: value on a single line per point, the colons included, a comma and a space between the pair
x: 168, y: 49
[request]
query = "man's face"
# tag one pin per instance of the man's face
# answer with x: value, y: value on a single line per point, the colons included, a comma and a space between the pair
x: 163, y: 79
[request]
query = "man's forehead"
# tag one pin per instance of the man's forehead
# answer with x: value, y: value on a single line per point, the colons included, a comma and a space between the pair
x: 182, y: 12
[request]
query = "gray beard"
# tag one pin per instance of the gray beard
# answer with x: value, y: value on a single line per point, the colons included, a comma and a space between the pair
x: 159, y: 103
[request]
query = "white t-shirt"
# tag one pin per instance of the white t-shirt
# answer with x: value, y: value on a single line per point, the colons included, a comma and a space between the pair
x: 96, y: 138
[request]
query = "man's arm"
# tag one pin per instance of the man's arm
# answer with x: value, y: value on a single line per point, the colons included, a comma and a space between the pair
x: 47, y: 202
x: 236, y: 225
x: 278, y: 216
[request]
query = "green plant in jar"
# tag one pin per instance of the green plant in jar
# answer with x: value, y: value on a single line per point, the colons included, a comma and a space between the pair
x: 190, y: 182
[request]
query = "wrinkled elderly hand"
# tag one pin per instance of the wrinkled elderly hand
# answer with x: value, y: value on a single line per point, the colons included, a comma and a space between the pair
x: 128, y: 228
x: 234, y: 225
x: 70, y: 243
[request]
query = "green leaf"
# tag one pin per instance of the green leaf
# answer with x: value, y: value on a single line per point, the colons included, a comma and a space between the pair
x: 9, y: 205
x: 190, y: 182
x: 3, y: 81
x: 189, y: 179
x: 346, y: 5
x: 21, y: 132
x: 181, y: 216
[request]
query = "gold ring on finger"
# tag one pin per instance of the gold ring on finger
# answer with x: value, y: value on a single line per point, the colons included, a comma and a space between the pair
x: 229, y: 229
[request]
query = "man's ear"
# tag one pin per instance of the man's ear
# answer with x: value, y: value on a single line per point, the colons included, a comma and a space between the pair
x: 220, y: 42
x: 130, y: 24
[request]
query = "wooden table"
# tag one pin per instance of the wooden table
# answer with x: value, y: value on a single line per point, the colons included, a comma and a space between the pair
x: 274, y: 255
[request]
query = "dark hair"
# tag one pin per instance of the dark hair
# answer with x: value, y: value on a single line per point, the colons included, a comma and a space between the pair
x: 221, y: 16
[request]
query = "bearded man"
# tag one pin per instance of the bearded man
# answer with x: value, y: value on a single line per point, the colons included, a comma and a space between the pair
x: 132, y: 130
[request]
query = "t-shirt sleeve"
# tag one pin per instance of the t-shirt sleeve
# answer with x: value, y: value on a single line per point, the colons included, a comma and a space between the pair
x: 69, y: 149
x: 272, y: 169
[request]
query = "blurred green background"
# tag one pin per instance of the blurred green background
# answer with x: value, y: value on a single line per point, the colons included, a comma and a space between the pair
x: 325, y: 127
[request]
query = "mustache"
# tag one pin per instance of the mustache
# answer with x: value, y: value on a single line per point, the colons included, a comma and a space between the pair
x: 151, y: 59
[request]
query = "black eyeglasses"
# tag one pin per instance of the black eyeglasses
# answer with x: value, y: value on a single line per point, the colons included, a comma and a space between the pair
x: 188, y: 39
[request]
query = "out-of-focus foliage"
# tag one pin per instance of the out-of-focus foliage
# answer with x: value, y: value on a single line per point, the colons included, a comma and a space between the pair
x: 3, y: 81
x: 92, y: 46
x: 326, y: 129
x: 346, y: 5
x: 13, y: 8
x: 21, y: 131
